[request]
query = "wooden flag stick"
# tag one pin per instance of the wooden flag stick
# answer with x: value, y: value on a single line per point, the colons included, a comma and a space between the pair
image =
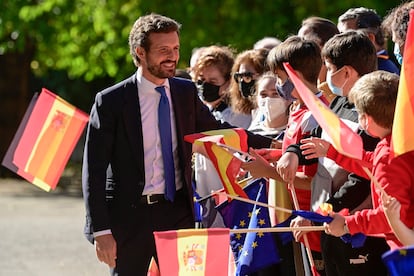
x: 278, y: 229
x: 375, y: 180
x: 221, y: 190
x: 209, y: 195
x: 305, y: 237
x: 259, y: 203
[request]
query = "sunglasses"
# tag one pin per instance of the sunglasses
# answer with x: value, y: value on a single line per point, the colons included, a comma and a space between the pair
x: 246, y: 77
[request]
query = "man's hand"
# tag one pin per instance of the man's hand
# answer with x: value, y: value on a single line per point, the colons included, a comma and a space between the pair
x: 258, y: 167
x: 287, y: 166
x: 271, y: 155
x: 105, y: 247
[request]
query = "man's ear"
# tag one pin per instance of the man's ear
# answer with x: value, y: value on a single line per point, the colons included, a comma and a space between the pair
x: 140, y: 52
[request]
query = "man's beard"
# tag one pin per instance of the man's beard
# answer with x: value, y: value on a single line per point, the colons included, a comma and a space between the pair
x: 157, y: 71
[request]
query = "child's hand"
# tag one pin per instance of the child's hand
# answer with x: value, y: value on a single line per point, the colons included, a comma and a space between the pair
x: 287, y: 166
x: 392, y: 208
x: 299, y: 222
x: 258, y: 167
x: 336, y: 227
x: 314, y: 147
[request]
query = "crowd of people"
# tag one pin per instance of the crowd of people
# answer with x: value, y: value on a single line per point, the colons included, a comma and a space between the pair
x: 129, y: 167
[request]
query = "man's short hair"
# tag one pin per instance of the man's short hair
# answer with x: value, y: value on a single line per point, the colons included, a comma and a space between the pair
x: 366, y: 19
x: 146, y: 25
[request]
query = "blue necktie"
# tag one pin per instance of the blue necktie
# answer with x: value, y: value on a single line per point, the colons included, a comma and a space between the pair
x: 164, y: 125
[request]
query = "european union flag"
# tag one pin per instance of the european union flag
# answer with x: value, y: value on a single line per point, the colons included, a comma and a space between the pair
x: 399, y: 261
x: 254, y: 250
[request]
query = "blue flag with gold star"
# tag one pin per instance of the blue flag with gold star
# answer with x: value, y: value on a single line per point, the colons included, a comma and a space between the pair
x: 255, y: 250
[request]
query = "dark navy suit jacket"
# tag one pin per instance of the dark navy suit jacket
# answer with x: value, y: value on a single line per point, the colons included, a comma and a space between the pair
x: 113, y: 174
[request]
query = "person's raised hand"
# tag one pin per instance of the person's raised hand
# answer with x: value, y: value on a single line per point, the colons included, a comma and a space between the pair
x: 314, y: 147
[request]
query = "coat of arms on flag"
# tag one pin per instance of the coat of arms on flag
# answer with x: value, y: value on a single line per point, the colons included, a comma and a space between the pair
x: 193, y: 251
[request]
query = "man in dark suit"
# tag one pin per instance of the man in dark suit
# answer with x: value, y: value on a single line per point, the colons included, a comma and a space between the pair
x: 124, y: 171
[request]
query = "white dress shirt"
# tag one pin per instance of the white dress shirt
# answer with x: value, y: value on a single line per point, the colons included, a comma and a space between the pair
x: 149, y: 99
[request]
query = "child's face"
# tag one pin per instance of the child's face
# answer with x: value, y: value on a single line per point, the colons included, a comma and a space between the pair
x: 281, y: 78
x: 365, y: 123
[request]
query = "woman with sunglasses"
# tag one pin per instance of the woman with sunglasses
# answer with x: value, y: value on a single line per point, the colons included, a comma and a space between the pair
x: 248, y: 67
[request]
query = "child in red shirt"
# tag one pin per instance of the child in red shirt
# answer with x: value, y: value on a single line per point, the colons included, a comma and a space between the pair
x: 305, y: 58
x: 374, y: 96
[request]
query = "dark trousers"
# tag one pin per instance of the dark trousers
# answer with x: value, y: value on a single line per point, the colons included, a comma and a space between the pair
x: 341, y: 259
x: 136, y: 244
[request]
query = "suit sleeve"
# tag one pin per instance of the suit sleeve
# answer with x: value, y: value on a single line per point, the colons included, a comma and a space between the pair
x: 98, y: 146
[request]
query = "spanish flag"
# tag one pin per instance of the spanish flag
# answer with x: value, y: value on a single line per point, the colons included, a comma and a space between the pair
x: 402, y: 134
x: 45, y: 140
x: 343, y: 138
x: 226, y: 164
x: 195, y: 252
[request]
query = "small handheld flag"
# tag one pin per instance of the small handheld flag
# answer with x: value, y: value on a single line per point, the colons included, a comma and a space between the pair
x: 45, y: 139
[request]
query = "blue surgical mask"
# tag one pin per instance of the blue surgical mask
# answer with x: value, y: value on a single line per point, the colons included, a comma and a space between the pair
x: 335, y: 89
x: 397, y: 53
x: 285, y: 90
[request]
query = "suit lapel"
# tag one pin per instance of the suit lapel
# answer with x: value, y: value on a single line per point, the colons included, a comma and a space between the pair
x: 132, y: 118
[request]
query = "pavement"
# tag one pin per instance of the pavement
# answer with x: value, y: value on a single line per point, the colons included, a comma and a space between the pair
x: 41, y: 233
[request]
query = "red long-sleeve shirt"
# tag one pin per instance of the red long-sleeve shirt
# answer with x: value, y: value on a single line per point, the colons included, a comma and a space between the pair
x: 396, y: 175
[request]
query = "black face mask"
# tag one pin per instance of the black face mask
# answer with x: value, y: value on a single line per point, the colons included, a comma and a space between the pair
x: 246, y: 88
x: 209, y: 92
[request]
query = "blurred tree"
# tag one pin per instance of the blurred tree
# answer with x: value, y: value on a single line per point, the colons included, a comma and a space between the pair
x: 77, y: 47
x: 88, y: 38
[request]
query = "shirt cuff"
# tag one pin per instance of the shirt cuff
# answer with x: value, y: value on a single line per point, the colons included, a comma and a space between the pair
x: 102, y: 232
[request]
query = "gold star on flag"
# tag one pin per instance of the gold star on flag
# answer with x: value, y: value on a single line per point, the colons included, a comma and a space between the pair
x: 254, y: 244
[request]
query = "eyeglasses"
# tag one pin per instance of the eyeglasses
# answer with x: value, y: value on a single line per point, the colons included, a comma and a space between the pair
x: 246, y: 77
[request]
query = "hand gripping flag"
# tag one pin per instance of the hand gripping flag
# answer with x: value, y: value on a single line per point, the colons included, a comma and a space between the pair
x: 193, y: 251
x: 343, y: 138
x: 45, y: 139
x: 226, y: 164
x: 254, y: 250
x: 356, y: 240
x: 402, y: 134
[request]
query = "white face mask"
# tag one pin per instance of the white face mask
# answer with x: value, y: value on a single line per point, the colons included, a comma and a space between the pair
x: 272, y: 108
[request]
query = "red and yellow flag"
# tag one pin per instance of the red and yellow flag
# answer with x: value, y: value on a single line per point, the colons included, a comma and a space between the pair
x: 402, y: 134
x: 193, y: 252
x: 343, y: 138
x: 226, y: 164
x: 45, y: 140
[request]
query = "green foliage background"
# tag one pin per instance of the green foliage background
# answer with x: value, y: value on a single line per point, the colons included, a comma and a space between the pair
x: 83, y: 44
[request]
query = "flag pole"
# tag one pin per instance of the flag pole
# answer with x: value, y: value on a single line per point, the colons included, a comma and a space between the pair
x: 305, y: 237
x: 278, y: 229
x: 375, y: 180
x: 259, y: 203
